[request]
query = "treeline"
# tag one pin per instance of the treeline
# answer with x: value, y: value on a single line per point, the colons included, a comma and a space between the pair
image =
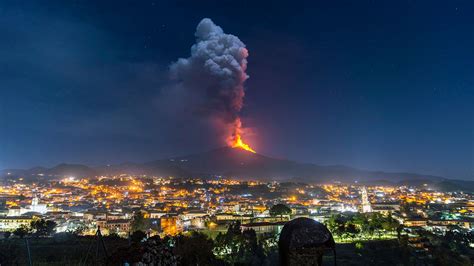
x: 362, y: 226
x: 235, y: 247
x: 37, y: 228
x: 452, y: 247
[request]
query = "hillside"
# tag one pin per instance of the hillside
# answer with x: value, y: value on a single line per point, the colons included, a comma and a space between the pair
x: 229, y: 162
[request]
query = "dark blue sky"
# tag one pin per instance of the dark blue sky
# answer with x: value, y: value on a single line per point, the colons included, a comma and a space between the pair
x: 370, y: 84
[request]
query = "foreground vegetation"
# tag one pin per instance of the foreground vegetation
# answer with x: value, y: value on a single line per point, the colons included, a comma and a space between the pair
x: 233, y: 247
x: 362, y: 239
x: 351, y: 227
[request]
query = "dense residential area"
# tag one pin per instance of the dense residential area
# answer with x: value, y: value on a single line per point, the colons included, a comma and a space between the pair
x: 128, y: 209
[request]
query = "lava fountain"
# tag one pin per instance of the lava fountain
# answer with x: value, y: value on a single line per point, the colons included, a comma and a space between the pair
x: 235, y: 140
x: 239, y: 143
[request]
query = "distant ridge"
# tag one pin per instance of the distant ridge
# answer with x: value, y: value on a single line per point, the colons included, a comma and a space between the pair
x: 228, y: 162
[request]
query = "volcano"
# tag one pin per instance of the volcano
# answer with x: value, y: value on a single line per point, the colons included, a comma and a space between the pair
x: 233, y: 163
x: 242, y: 164
x: 226, y: 161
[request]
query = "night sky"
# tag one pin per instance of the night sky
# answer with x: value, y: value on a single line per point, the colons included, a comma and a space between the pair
x: 366, y: 84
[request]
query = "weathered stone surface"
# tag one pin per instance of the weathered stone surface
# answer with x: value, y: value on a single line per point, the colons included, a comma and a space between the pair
x: 303, y: 242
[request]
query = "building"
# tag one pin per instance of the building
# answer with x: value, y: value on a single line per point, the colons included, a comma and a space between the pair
x: 155, y: 214
x: 232, y: 217
x: 95, y: 215
x: 119, y: 226
x: 169, y: 225
x: 35, y: 207
x: 386, y: 207
x: 415, y: 222
x: 264, y: 227
x: 466, y: 223
x: 189, y: 215
x: 385, y: 210
x: 366, y: 207
x: 11, y: 223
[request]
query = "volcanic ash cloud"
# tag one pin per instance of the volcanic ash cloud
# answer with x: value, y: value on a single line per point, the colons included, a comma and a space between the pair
x: 215, y: 73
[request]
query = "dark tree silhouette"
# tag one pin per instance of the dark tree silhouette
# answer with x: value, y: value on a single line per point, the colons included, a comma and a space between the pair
x: 139, y: 223
x: 22, y: 231
x: 280, y: 210
x: 137, y: 236
x: 42, y: 227
x: 195, y: 249
x: 239, y: 248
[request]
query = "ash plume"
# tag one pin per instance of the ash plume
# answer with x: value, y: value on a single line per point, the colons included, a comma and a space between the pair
x: 215, y: 74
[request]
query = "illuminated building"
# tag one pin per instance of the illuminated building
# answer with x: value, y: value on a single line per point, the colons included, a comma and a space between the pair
x: 169, y: 225
x: 232, y: 217
x: 365, y: 201
x: 264, y: 227
x: 37, y: 207
x: 119, y: 226
x: 12, y: 223
x: 415, y: 222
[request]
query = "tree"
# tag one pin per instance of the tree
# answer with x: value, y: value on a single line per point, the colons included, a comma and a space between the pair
x: 362, y: 222
x: 375, y: 223
x: 153, y: 251
x: 239, y: 248
x: 130, y: 255
x: 227, y: 245
x: 280, y: 210
x: 22, y: 231
x: 269, y: 244
x: 138, y: 236
x: 251, y: 251
x: 139, y: 222
x: 336, y: 224
x: 389, y: 223
x: 113, y: 235
x: 158, y: 252
x: 79, y: 230
x: 399, y: 232
x: 351, y: 230
x: 195, y: 249
x: 42, y: 227
x: 234, y: 229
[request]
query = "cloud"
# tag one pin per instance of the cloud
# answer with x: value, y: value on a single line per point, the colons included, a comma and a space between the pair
x: 211, y: 79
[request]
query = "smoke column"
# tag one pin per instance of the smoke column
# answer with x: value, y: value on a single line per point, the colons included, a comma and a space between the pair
x: 216, y: 72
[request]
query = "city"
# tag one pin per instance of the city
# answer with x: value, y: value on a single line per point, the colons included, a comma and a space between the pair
x: 234, y: 133
x: 165, y: 206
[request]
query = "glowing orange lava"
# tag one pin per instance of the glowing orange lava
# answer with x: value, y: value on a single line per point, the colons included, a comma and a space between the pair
x: 238, y: 143
x: 235, y: 140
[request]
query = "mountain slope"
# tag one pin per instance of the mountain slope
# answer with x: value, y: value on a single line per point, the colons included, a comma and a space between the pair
x: 230, y: 162
x: 59, y: 170
x: 244, y: 164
